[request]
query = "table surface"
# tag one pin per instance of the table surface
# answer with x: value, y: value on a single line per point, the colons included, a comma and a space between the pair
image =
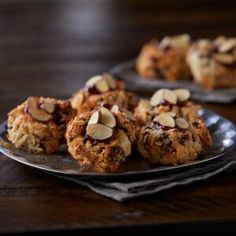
x: 49, y: 48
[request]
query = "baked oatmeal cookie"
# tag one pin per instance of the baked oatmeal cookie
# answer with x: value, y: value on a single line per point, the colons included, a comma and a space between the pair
x: 171, y: 140
x: 102, y: 89
x: 101, y: 140
x: 165, y: 59
x: 213, y: 62
x: 175, y: 102
x: 38, y: 125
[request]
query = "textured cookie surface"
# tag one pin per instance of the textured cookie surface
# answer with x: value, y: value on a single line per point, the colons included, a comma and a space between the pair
x: 100, y: 143
x: 38, y: 125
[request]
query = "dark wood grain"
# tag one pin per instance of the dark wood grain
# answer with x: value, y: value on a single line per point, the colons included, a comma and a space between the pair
x: 50, y: 47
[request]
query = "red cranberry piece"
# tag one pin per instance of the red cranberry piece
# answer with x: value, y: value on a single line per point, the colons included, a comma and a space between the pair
x: 180, y: 104
x: 26, y: 110
x: 232, y: 65
x: 107, y: 106
x: 166, y: 48
x: 93, y: 90
x: 165, y: 103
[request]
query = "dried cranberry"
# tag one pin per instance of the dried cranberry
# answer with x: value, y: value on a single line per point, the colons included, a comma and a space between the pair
x: 165, y: 128
x: 165, y: 103
x: 166, y: 47
x: 93, y: 90
x: 231, y: 66
x: 180, y: 104
x: 26, y: 110
x: 107, y: 106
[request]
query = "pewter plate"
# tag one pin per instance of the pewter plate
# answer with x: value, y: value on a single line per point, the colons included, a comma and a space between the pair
x: 222, y: 130
x: 126, y: 72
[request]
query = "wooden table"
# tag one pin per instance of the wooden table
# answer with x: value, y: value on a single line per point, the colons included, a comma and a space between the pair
x: 49, y: 48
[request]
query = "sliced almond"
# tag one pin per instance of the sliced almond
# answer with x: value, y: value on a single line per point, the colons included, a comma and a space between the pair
x: 165, y: 42
x: 107, y: 118
x: 171, y: 113
x: 180, y: 41
x: 33, y: 109
x: 182, y: 94
x: 115, y: 109
x: 157, y: 98
x: 129, y: 114
x: 99, y: 131
x: 219, y: 40
x: 94, y: 119
x: 170, y: 96
x: 102, y: 86
x: 48, y: 105
x: 227, y: 45
x: 224, y: 58
x: 181, y: 123
x: 124, y: 143
x: 93, y: 80
x: 110, y: 81
x: 165, y: 120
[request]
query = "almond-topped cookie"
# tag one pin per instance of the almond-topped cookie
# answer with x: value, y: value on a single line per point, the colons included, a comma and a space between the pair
x: 175, y: 102
x: 165, y: 59
x: 39, y: 124
x: 213, y: 62
x: 102, y: 139
x: 170, y: 129
x: 171, y: 140
x: 102, y: 89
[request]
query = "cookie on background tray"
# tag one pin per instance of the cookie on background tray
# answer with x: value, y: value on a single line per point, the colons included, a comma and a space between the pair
x: 165, y: 59
x: 213, y: 62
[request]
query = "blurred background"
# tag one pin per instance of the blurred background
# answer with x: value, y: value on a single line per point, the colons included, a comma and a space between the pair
x: 50, y: 47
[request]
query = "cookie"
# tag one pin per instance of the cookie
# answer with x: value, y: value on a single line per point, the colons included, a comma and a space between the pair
x: 213, y: 62
x: 101, y: 140
x: 165, y: 59
x: 102, y: 89
x: 170, y: 131
x: 38, y: 125
x: 171, y: 141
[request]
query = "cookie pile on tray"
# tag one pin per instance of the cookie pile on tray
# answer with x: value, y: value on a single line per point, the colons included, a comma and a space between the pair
x: 102, y: 124
x: 210, y: 63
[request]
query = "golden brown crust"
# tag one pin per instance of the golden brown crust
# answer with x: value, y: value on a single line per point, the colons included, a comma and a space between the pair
x: 101, y: 156
x: 170, y: 134
x: 36, y: 136
x: 173, y: 146
x: 155, y: 61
